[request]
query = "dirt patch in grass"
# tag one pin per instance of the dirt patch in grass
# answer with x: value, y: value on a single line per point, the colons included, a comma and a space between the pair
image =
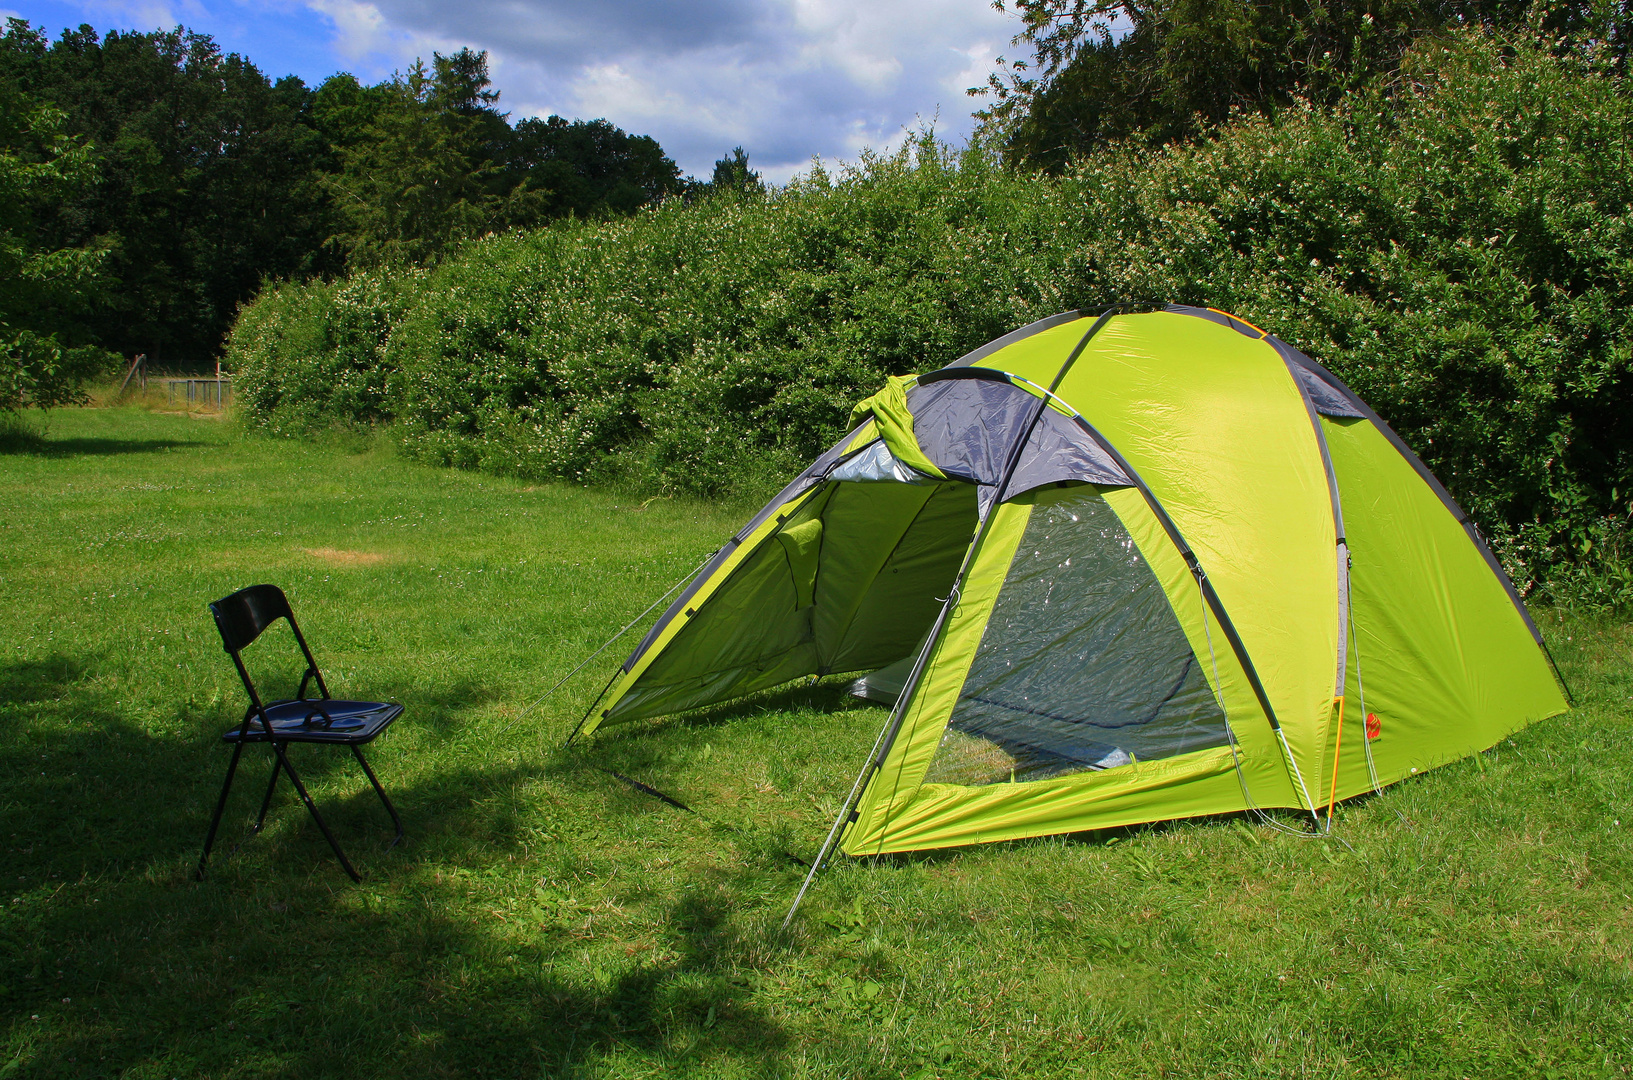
x: 337, y: 557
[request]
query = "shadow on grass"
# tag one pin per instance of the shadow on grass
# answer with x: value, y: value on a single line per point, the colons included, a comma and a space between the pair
x: 93, y: 447
x: 112, y: 958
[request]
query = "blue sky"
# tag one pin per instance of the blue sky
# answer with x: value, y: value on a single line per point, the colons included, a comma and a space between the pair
x: 788, y: 80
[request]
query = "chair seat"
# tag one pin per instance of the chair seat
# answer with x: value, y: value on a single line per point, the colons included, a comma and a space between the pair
x: 354, y: 722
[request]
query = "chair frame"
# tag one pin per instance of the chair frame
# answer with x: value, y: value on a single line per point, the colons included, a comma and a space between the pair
x: 241, y: 618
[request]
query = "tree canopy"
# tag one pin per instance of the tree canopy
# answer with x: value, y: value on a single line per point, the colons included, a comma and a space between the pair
x: 1160, y: 70
x: 194, y: 178
x: 43, y: 288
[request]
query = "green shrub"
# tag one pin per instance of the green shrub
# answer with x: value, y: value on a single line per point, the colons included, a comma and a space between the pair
x: 1454, y: 243
x: 306, y: 357
x: 691, y: 342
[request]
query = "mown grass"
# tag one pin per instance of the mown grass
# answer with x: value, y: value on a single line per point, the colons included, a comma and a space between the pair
x: 544, y: 920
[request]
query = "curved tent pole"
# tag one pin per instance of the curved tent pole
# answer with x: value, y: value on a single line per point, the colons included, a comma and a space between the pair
x: 1451, y: 504
x: 1232, y: 637
x: 892, y: 726
x: 888, y: 734
x: 1238, y: 647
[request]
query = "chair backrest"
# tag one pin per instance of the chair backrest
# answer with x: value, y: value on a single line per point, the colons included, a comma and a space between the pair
x: 242, y: 616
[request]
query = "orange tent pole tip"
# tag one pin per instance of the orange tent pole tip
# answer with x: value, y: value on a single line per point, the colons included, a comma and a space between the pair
x: 1332, y: 797
x: 1244, y: 322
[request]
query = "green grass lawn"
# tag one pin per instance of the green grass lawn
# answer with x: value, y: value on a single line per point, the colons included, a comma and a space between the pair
x: 542, y: 919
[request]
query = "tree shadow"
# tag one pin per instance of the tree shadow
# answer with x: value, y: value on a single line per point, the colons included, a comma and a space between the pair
x: 113, y: 958
x: 90, y: 446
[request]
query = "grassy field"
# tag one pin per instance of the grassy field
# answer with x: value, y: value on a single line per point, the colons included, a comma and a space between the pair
x: 542, y: 919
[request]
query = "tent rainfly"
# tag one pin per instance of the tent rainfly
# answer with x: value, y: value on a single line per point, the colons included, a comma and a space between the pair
x: 1112, y: 570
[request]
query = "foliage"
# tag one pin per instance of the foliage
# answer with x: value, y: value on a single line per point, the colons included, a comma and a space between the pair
x: 543, y: 919
x: 206, y: 180
x: 1455, y: 243
x: 215, y: 179
x: 316, y: 350
x: 703, y: 346
x: 43, y: 362
x: 1104, y: 70
x: 732, y: 172
x: 588, y: 168
x: 414, y: 179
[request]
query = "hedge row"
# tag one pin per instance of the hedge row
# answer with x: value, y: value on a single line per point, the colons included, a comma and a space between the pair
x: 1454, y: 243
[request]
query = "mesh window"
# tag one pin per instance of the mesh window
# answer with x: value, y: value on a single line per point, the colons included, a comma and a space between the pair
x: 1082, y: 664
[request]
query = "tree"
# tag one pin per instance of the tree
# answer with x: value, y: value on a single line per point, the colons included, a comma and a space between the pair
x: 214, y: 179
x: 417, y: 172
x: 590, y: 167
x: 208, y: 180
x: 1166, y: 69
x: 733, y: 174
x: 42, y: 289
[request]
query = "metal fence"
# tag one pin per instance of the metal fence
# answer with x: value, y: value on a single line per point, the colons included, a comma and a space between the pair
x: 217, y: 392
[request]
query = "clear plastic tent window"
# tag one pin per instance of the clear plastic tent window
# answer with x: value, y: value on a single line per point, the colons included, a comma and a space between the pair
x: 1083, y: 664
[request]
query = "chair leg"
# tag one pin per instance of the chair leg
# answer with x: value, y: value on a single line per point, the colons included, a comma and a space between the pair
x: 278, y: 748
x: 266, y: 802
x: 220, y: 805
x: 357, y: 752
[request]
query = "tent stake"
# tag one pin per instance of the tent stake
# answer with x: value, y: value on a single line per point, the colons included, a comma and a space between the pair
x: 1332, y: 799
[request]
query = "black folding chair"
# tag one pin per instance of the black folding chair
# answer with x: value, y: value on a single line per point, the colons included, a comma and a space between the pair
x: 241, y: 617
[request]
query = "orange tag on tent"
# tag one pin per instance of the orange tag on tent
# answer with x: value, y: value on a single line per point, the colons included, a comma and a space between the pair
x: 1374, y: 729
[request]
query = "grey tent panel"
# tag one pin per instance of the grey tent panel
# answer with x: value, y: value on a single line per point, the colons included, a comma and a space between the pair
x: 968, y: 425
x: 1060, y: 450
x: 1083, y: 664
x: 1327, y: 399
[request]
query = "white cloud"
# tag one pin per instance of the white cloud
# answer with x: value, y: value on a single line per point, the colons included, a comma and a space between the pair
x: 786, y: 79
x: 360, y: 29
x: 153, y: 13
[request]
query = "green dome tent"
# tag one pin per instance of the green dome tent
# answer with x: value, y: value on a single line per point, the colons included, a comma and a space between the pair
x: 1114, y: 570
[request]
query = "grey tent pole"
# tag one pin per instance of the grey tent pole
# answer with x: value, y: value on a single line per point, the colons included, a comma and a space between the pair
x: 887, y: 735
x: 875, y: 757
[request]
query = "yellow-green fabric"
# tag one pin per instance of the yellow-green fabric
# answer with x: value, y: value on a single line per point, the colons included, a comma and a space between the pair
x: 903, y: 814
x: 800, y: 545
x: 1213, y: 422
x: 876, y: 593
x: 894, y: 423
x: 742, y: 630
x: 1448, y: 664
x: 1266, y: 776
x: 847, y: 577
x: 896, y: 785
x: 1245, y: 485
x: 848, y: 582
